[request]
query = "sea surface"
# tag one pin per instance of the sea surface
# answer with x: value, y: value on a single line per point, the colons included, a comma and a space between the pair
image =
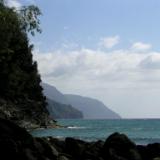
x: 141, y: 131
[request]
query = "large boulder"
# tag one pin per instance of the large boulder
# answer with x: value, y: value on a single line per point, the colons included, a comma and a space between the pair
x: 149, y: 152
x: 154, y: 150
x: 81, y: 150
x: 17, y: 143
x: 59, y: 144
x: 75, y: 147
x: 120, y: 147
x: 93, y: 150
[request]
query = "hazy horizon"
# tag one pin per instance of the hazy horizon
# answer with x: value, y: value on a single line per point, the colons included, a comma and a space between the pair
x: 108, y: 50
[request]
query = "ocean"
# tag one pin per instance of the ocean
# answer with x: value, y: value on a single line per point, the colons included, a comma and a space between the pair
x: 141, y: 131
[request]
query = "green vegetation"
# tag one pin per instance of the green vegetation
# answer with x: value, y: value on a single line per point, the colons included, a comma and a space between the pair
x: 19, y: 79
x: 62, y: 111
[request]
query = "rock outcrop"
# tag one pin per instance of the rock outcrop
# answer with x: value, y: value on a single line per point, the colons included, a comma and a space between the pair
x: 26, y: 113
x: 16, y: 143
x: 119, y: 146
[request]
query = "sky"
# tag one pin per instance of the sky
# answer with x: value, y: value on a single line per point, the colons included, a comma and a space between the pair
x: 104, y: 49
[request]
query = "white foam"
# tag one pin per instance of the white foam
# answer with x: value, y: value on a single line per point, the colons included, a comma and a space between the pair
x: 75, y: 127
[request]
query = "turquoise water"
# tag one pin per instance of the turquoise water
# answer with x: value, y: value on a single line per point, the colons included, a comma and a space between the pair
x: 141, y: 131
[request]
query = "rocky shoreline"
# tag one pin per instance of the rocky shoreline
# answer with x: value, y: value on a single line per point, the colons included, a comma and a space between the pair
x: 16, y: 143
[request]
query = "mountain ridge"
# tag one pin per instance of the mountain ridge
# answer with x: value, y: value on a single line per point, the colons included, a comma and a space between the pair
x: 51, y: 91
x: 62, y: 111
x: 91, y: 107
x: 57, y: 104
x: 101, y: 111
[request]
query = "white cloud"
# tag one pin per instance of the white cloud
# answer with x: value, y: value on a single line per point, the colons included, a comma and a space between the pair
x: 139, y: 46
x: 151, y: 62
x: 125, y: 80
x: 109, y: 42
x: 13, y: 3
x: 102, y: 68
x: 18, y: 3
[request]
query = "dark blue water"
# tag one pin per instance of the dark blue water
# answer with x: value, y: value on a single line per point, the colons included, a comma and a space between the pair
x: 142, y: 131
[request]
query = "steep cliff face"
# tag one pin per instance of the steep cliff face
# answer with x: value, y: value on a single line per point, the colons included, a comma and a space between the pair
x: 20, y: 112
x: 21, y: 97
x: 57, y: 104
x: 89, y: 107
x: 62, y: 111
x: 53, y: 93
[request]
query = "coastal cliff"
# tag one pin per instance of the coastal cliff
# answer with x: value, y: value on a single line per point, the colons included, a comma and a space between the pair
x: 62, y: 111
x: 90, y: 108
x: 21, y: 97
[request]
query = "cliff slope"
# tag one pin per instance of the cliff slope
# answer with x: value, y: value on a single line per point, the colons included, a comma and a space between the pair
x: 91, y: 108
x: 62, y: 111
x: 21, y: 97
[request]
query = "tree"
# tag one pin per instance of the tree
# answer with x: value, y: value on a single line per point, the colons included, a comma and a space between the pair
x: 19, y: 77
x: 16, y: 62
x: 29, y: 19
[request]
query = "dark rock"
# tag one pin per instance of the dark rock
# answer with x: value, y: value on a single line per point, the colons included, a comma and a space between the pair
x: 143, y: 151
x: 93, y: 150
x: 75, y: 147
x: 24, y: 113
x: 120, y: 147
x: 11, y: 130
x: 62, y: 158
x: 153, y: 150
x: 149, y: 152
x: 58, y: 144
x: 80, y: 150
x: 45, y: 148
x: 16, y: 143
x: 12, y: 140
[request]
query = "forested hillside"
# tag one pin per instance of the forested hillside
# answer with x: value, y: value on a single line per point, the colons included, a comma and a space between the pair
x: 90, y: 108
x: 57, y: 104
x: 21, y: 97
x: 62, y: 111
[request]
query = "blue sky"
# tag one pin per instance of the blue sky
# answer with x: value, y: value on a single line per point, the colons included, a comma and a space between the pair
x: 85, y: 21
x: 105, y: 49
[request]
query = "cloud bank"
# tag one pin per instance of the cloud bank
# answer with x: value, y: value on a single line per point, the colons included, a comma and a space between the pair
x: 124, y: 79
x: 100, y: 67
